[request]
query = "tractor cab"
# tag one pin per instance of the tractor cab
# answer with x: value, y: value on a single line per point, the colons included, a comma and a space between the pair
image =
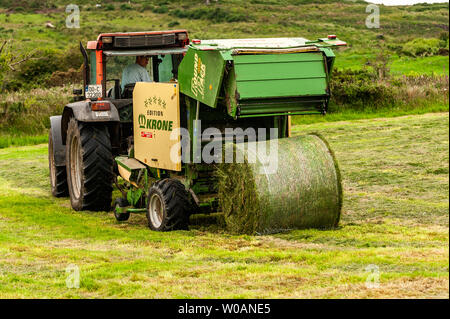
x: 104, y: 99
x: 107, y: 57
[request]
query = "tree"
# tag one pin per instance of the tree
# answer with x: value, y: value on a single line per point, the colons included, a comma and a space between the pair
x: 9, y: 61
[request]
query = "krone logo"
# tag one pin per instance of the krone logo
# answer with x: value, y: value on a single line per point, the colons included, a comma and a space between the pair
x: 198, y: 80
x: 141, y: 121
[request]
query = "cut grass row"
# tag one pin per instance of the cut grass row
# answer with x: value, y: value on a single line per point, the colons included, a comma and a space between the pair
x: 395, y: 175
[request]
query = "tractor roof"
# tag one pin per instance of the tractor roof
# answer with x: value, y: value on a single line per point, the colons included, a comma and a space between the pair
x: 132, y: 34
x: 139, y: 36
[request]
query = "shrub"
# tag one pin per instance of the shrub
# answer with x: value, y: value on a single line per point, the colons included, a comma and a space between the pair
x: 45, y: 62
x: 29, y: 111
x: 161, y: 9
x: 173, y: 24
x: 38, y: 70
x: 59, y: 78
x: 361, y: 89
x: 125, y: 6
x: 146, y: 7
x: 422, y: 47
x: 212, y: 14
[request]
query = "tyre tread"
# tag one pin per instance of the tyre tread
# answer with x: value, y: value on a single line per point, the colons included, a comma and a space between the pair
x: 176, y: 201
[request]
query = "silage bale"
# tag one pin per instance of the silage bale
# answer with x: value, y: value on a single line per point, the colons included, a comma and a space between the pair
x: 303, y: 192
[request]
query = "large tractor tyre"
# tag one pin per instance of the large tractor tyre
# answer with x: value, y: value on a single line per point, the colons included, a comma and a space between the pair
x: 58, y: 176
x: 168, y: 206
x: 89, y: 166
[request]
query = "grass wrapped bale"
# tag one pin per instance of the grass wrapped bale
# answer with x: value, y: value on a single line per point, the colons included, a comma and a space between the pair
x: 304, y: 191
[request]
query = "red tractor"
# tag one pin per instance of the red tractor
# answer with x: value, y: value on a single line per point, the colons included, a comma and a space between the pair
x: 97, y: 126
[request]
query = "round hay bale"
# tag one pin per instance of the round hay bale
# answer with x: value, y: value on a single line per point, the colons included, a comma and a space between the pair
x: 302, y: 190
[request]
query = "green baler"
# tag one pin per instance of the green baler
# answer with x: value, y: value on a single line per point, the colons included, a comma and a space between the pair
x: 235, y: 86
x: 260, y: 77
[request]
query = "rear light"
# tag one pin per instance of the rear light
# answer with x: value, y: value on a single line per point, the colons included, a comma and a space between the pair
x: 107, y: 39
x: 100, y: 106
x: 182, y: 36
x: 332, y: 37
x: 196, y: 41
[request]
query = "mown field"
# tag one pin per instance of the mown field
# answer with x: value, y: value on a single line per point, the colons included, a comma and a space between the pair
x: 395, y: 217
x: 388, y: 124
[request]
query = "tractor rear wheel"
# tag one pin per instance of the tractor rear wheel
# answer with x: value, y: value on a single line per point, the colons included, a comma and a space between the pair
x: 89, y: 166
x: 168, y: 206
x: 58, y: 176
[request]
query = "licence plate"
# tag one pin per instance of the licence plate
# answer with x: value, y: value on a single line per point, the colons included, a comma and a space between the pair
x: 102, y: 114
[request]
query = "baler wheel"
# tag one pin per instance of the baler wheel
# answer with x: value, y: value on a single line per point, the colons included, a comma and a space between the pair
x: 58, y: 176
x: 168, y: 205
x: 89, y: 166
x: 119, y: 204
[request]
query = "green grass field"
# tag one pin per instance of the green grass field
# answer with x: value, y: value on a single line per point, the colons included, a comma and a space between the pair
x: 394, y: 160
x: 395, y: 217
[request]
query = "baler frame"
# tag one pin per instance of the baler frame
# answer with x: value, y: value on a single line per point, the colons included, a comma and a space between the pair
x: 217, y: 109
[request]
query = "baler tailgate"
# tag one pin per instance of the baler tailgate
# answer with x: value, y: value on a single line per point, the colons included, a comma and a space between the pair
x: 280, y: 75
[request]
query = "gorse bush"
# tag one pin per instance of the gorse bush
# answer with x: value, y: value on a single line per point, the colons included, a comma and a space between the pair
x: 216, y: 14
x: 37, y: 71
x: 364, y: 90
x: 359, y: 88
x: 29, y: 110
x: 423, y: 47
x: 373, y: 87
x: 125, y: 6
x: 173, y: 24
x: 160, y: 9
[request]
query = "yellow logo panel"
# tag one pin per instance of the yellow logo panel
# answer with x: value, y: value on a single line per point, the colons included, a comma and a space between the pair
x: 156, y: 114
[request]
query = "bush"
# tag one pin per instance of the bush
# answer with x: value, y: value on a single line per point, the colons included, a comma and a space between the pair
x: 358, y: 88
x: 161, y: 9
x: 125, y: 6
x: 362, y: 90
x: 147, y: 7
x: 38, y: 70
x: 212, y: 14
x: 423, y: 47
x: 59, y: 78
x: 29, y: 111
x: 173, y: 24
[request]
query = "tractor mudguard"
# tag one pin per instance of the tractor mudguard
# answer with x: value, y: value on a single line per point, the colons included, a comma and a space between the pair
x: 82, y: 112
x: 59, y: 150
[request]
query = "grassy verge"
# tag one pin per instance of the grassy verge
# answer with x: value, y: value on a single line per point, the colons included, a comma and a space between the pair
x: 437, y: 65
x: 349, y: 114
x: 7, y: 140
x: 395, y: 217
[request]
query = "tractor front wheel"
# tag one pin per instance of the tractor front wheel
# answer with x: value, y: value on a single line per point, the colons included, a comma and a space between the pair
x: 89, y: 166
x: 168, y: 206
